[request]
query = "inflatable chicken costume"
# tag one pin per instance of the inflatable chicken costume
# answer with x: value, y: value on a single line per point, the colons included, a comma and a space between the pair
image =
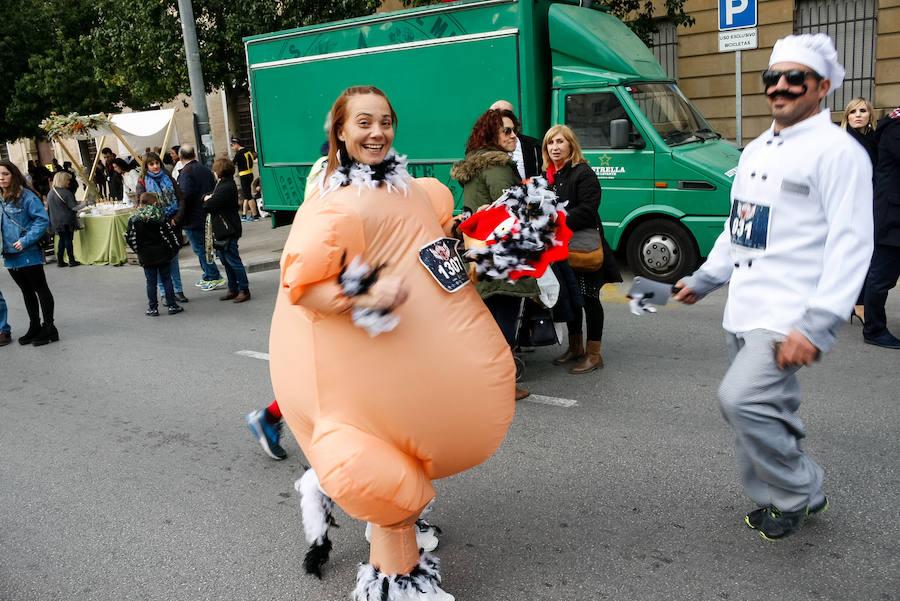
x: 381, y: 407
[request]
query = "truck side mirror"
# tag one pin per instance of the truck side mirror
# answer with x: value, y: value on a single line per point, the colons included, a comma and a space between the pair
x: 620, y: 134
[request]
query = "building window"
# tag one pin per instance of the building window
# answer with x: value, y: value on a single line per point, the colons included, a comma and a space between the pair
x: 852, y: 25
x: 665, y: 47
x: 4, y: 152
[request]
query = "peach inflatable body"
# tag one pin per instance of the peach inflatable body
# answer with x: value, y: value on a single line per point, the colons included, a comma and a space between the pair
x: 379, y: 417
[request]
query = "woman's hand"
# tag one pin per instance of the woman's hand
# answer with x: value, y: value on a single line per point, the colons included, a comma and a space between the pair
x: 388, y: 293
x: 17, y: 245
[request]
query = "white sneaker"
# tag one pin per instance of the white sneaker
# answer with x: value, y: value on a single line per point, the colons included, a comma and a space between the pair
x: 213, y: 285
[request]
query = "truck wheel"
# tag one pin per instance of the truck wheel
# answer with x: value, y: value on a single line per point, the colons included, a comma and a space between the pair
x: 661, y: 249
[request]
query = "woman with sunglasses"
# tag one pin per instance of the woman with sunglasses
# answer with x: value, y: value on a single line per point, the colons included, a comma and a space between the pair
x: 485, y: 172
x: 858, y: 122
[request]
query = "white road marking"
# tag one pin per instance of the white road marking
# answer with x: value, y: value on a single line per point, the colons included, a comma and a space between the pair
x: 549, y: 400
x: 534, y: 398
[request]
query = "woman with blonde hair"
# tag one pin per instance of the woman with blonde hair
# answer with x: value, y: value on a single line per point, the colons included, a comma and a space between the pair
x: 574, y: 181
x: 62, y: 207
x: 859, y: 122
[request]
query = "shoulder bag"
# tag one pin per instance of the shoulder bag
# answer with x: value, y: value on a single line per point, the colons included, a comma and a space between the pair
x: 586, y: 250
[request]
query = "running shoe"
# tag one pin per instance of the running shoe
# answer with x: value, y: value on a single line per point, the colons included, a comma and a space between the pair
x: 267, y: 434
x: 210, y: 285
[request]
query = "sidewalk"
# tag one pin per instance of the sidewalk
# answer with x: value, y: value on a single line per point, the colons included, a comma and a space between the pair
x: 260, y: 245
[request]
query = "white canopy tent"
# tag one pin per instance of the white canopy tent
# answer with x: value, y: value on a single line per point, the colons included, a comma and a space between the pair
x: 140, y: 129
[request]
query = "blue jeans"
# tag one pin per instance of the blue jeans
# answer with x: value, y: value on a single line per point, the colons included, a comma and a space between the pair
x: 4, y: 325
x: 234, y: 268
x: 175, y: 279
x: 198, y: 243
x: 163, y: 272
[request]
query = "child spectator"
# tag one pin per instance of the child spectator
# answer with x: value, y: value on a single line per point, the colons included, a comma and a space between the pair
x: 155, y: 242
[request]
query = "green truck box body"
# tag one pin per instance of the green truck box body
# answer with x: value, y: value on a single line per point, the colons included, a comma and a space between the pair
x: 442, y: 66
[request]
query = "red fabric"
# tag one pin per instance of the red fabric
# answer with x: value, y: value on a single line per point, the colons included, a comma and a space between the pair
x: 557, y: 253
x: 483, y: 223
x: 551, y: 173
x: 274, y: 410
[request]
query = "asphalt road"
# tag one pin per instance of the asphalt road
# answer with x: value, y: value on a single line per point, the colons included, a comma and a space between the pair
x: 128, y: 471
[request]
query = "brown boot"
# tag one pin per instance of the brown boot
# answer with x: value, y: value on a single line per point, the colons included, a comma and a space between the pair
x: 521, y: 393
x: 576, y: 350
x: 228, y: 295
x: 243, y: 295
x: 591, y: 360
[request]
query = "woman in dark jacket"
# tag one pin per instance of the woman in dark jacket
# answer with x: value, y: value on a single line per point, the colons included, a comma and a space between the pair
x: 222, y: 206
x: 574, y: 181
x: 485, y: 172
x: 860, y: 124
x: 63, y: 218
x: 171, y: 203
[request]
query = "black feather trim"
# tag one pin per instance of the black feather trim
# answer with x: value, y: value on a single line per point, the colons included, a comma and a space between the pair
x: 316, y: 557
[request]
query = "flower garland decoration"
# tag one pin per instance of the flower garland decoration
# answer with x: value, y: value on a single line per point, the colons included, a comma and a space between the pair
x: 73, y: 124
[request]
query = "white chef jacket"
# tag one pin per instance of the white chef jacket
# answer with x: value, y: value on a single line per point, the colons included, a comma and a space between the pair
x: 797, y: 244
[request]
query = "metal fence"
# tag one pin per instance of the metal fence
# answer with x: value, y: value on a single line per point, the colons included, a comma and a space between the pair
x: 665, y: 48
x: 852, y: 24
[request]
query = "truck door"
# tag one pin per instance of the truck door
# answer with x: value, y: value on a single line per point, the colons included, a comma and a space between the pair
x: 626, y: 174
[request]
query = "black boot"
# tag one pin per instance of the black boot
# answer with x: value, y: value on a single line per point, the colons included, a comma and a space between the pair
x: 47, y: 335
x: 33, y: 330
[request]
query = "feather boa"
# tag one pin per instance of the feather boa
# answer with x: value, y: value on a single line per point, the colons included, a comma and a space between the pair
x: 423, y: 583
x: 316, y: 508
x: 540, y: 238
x: 391, y: 172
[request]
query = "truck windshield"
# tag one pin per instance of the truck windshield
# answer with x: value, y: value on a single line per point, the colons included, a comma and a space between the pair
x: 670, y: 113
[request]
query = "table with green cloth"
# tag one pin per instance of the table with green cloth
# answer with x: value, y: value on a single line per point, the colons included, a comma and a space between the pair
x: 102, y: 241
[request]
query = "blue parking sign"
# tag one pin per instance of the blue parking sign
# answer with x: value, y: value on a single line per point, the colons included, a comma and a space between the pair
x: 734, y: 14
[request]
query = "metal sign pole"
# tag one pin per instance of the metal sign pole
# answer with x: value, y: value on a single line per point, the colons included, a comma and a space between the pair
x: 738, y: 115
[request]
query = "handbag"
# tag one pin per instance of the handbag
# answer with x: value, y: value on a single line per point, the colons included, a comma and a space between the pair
x: 586, y: 250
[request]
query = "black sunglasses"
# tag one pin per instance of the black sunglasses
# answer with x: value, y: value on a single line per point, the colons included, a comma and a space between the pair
x: 506, y: 130
x: 794, y: 77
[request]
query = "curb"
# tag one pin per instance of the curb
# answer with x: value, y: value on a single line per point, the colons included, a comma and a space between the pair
x: 264, y: 265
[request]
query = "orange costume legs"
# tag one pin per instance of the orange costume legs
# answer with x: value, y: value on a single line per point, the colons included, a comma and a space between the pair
x: 394, y: 549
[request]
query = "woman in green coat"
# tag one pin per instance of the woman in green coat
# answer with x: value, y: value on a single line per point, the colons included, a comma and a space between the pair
x: 485, y: 172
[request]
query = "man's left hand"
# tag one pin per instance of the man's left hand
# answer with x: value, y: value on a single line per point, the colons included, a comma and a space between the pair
x: 795, y: 350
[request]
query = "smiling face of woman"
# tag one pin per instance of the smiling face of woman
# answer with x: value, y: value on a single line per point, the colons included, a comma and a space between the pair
x: 368, y: 130
x: 507, y: 136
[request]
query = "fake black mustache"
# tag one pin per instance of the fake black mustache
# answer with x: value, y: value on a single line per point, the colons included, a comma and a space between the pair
x: 786, y: 94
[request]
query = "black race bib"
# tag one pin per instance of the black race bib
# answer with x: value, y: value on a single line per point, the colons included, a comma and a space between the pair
x: 443, y: 262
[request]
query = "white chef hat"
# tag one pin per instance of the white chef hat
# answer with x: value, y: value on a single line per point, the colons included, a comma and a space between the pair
x: 816, y: 51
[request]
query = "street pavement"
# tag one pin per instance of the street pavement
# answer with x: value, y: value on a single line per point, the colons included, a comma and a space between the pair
x: 128, y: 471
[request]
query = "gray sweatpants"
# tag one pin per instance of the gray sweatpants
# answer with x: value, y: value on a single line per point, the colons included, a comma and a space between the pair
x: 759, y: 400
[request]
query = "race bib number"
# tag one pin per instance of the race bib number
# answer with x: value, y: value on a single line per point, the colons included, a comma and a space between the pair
x: 441, y: 259
x: 750, y: 225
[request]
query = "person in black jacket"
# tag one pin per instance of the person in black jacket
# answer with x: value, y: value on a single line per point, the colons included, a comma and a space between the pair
x: 527, y: 155
x: 222, y: 206
x: 885, y: 266
x: 858, y: 122
x: 574, y: 181
x: 152, y: 237
x: 196, y: 181
x: 62, y: 207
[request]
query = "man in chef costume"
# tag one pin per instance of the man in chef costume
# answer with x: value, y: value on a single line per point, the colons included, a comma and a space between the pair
x: 795, y: 251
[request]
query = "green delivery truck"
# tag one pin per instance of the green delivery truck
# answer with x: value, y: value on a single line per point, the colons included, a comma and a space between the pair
x: 666, y: 175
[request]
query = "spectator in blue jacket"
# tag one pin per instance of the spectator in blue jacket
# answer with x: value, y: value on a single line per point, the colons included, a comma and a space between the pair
x: 196, y: 180
x: 23, y: 222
